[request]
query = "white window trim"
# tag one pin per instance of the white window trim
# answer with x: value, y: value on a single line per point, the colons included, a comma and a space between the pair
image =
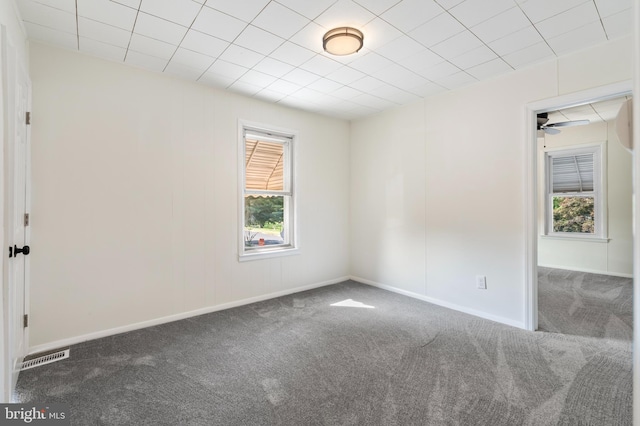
x: 294, y: 245
x: 600, y: 189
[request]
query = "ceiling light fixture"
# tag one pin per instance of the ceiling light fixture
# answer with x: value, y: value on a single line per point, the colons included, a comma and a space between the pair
x: 342, y: 41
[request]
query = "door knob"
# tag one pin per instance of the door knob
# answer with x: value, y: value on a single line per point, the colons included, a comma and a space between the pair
x: 24, y: 250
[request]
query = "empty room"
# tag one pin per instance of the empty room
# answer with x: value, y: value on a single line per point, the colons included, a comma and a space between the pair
x: 330, y: 212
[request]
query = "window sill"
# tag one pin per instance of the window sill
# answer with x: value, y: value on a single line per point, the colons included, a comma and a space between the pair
x: 575, y: 238
x: 268, y: 254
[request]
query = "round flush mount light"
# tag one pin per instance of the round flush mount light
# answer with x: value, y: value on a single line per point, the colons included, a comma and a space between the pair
x: 342, y: 41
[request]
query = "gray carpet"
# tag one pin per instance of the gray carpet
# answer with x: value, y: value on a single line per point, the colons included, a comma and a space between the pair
x: 296, y: 360
x: 585, y: 304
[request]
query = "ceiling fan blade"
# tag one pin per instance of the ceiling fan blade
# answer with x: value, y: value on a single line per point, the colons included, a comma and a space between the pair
x: 550, y: 130
x: 569, y: 123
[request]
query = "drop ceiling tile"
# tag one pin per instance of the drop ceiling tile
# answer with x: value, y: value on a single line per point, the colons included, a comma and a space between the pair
x: 404, y: 17
x: 241, y: 56
x: 448, y: 4
x: 612, y: 7
x: 135, y: 4
x: 269, y: 95
x: 203, y: 43
x: 301, y: 77
x: 372, y: 101
x: 428, y: 89
x: 182, y: 71
x: 159, y: 29
x: 371, y: 63
x: 108, y: 12
x: 367, y: 84
x: 538, y: 10
x: 151, y: 47
x: 102, y: 50
x: 457, y: 45
x: 516, y: 41
x: 244, y: 88
x: 377, y: 7
x: 473, y: 12
x: 324, y: 85
x: 257, y: 78
x: 345, y: 75
x: 280, y: 20
x: 227, y: 69
x: 579, y: 38
x: 103, y: 33
x: 569, y: 20
x: 529, y: 55
x: 421, y: 61
x: 438, y: 29
x: 50, y: 36
x: 321, y: 65
x: 395, y: 94
x: 489, y: 69
x: 181, y: 12
x: 285, y: 87
x: 145, y: 61
x: 193, y: 60
x: 346, y: 92
x: 47, y: 16
x: 273, y: 67
x: 400, y: 48
x: 457, y: 80
x: 218, y: 24
x: 400, y: 77
x: 310, y: 9
x: 378, y: 33
x: 310, y: 95
x: 245, y: 10
x: 216, y: 80
x: 345, y: 13
x: 258, y: 40
x: 292, y: 54
x: 501, y: 25
x: 440, y: 71
x: 66, y: 5
x: 310, y: 37
x: 618, y: 25
x: 477, y: 56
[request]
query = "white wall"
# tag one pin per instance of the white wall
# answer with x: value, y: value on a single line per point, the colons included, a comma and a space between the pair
x: 462, y: 185
x: 135, y: 198
x: 615, y: 256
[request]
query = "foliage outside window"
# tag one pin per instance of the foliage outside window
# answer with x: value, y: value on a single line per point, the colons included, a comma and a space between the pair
x: 267, y: 192
x: 574, y: 195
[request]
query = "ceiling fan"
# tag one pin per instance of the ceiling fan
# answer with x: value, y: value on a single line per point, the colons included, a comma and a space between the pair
x: 551, y: 129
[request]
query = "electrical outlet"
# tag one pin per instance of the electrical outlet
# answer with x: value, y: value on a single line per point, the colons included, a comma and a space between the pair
x: 481, y: 282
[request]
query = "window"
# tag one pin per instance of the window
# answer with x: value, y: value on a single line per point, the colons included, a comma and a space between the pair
x: 574, y: 196
x: 267, y: 193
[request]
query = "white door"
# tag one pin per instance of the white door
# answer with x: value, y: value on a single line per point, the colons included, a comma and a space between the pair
x: 18, y: 195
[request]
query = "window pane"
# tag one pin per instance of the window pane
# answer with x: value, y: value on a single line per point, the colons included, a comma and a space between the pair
x: 263, y: 221
x: 573, y: 173
x: 573, y: 214
x: 264, y: 165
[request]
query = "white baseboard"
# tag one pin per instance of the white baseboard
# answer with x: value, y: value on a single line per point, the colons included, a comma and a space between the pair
x: 157, y: 321
x: 481, y: 314
x: 589, y: 271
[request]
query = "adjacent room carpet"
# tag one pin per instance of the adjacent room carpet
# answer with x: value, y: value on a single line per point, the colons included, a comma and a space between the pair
x: 378, y: 358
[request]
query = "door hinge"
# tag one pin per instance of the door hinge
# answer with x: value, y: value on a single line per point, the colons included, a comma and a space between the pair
x: 26, y: 320
x: 26, y: 219
x: 28, y: 121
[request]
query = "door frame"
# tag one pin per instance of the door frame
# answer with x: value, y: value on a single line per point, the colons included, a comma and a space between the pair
x: 601, y: 93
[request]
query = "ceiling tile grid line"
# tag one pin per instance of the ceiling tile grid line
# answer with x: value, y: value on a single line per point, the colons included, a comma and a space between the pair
x: 272, y: 49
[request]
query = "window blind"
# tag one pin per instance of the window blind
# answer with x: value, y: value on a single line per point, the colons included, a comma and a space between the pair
x: 573, y: 173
